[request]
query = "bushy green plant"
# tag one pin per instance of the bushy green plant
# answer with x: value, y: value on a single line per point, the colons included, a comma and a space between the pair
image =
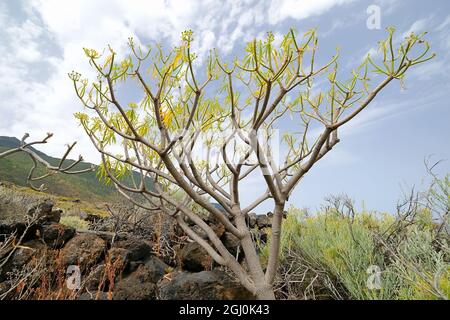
x: 344, y: 249
x: 412, y: 257
x: 421, y: 265
x: 75, y: 222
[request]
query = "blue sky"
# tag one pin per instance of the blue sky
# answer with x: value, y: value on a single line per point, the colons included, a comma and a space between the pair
x: 380, y: 154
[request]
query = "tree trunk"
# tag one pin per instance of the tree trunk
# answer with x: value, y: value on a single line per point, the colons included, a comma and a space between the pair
x: 262, y: 290
x: 274, y: 250
x: 265, y: 292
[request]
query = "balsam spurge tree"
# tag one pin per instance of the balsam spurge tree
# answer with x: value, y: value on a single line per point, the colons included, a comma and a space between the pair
x: 200, y: 129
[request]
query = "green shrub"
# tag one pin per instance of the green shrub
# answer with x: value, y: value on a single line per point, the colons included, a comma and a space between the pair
x: 74, y: 222
x: 338, y: 248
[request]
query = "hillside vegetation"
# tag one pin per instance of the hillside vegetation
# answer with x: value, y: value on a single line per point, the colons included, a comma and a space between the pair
x: 85, y: 186
x: 16, y: 200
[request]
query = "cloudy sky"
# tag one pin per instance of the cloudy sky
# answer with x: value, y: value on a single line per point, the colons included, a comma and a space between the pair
x: 381, y: 153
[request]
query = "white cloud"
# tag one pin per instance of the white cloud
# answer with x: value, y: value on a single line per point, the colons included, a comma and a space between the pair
x: 430, y: 70
x: 300, y: 9
x: 445, y: 24
x: 443, y: 31
x: 388, y: 6
x: 418, y: 26
x: 340, y: 24
x: 25, y: 41
x: 377, y: 113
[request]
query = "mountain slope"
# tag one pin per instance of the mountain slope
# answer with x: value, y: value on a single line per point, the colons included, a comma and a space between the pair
x: 15, y: 168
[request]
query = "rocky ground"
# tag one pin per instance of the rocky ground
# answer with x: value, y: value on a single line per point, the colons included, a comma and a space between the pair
x: 147, y: 258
